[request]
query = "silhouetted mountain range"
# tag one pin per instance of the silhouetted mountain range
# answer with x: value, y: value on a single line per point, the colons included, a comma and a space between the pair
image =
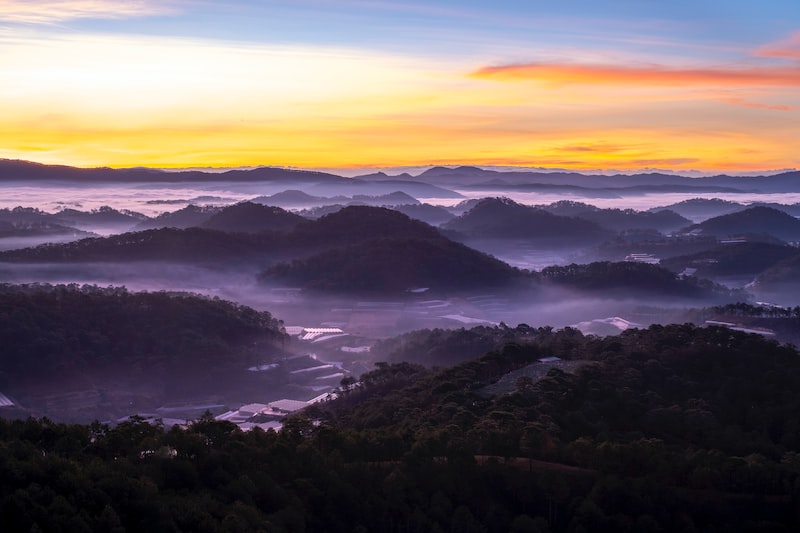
x: 473, y: 177
x: 16, y: 170
x: 427, y: 184
x: 314, y: 183
x: 295, y: 198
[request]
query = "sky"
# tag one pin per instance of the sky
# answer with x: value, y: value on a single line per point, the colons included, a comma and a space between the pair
x: 583, y: 85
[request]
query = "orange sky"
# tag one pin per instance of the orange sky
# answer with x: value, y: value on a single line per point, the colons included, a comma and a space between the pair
x: 91, y: 95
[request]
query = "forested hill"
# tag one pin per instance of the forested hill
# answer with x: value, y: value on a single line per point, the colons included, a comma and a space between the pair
x: 194, y: 245
x: 350, y: 225
x: 754, y: 220
x: 390, y: 265
x: 57, y: 331
x: 672, y: 428
x: 249, y: 217
x: 502, y: 218
x: 629, y: 278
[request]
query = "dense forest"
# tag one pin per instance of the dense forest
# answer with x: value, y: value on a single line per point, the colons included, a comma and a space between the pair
x: 619, y: 219
x: 289, y: 236
x: 395, y: 264
x: 754, y: 220
x: 633, y: 277
x: 660, y: 429
x: 59, y: 330
x: 191, y: 245
x: 505, y: 219
x: 746, y: 258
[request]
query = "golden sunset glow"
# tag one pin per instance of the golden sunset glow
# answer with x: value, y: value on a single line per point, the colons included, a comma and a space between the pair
x: 643, y: 76
x: 98, y: 97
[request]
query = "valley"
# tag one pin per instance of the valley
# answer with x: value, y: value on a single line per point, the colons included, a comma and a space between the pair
x: 365, y: 260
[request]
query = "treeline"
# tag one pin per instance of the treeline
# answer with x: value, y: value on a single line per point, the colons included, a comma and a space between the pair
x: 448, y: 347
x: 192, y: 245
x: 56, y: 330
x: 633, y: 277
x: 743, y: 309
x: 664, y: 429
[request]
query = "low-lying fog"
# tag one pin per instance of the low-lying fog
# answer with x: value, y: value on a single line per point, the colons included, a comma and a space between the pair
x: 362, y: 319
x: 364, y: 316
x: 154, y: 199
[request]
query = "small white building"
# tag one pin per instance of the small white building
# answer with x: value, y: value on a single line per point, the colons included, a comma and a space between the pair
x: 252, y: 409
x: 287, y: 406
x: 5, y: 401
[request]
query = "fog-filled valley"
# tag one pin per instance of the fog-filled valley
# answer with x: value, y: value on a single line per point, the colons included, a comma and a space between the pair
x: 574, y: 327
x: 365, y: 259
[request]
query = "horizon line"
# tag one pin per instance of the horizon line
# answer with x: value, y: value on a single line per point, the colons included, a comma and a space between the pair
x: 389, y: 170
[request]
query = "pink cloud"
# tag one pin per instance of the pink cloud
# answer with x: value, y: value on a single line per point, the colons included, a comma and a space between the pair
x: 786, y: 49
x: 646, y: 75
x: 595, y: 147
x: 755, y: 105
x: 667, y: 161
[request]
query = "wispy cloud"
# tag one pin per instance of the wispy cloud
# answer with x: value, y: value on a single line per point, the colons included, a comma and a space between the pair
x: 54, y: 11
x: 666, y: 161
x: 595, y: 147
x: 786, y: 49
x: 756, y: 105
x: 638, y: 76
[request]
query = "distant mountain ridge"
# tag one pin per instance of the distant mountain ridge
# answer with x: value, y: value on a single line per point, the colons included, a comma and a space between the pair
x: 462, y: 176
x: 470, y: 176
x: 16, y: 170
x: 296, y: 198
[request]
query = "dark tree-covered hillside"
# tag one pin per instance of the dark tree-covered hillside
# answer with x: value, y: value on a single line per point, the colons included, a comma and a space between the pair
x: 356, y: 223
x: 671, y: 428
x: 249, y: 217
x: 749, y: 258
x: 395, y: 264
x: 193, y: 245
x: 56, y: 331
x: 619, y: 219
x: 502, y: 218
x: 754, y: 220
x: 630, y: 277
